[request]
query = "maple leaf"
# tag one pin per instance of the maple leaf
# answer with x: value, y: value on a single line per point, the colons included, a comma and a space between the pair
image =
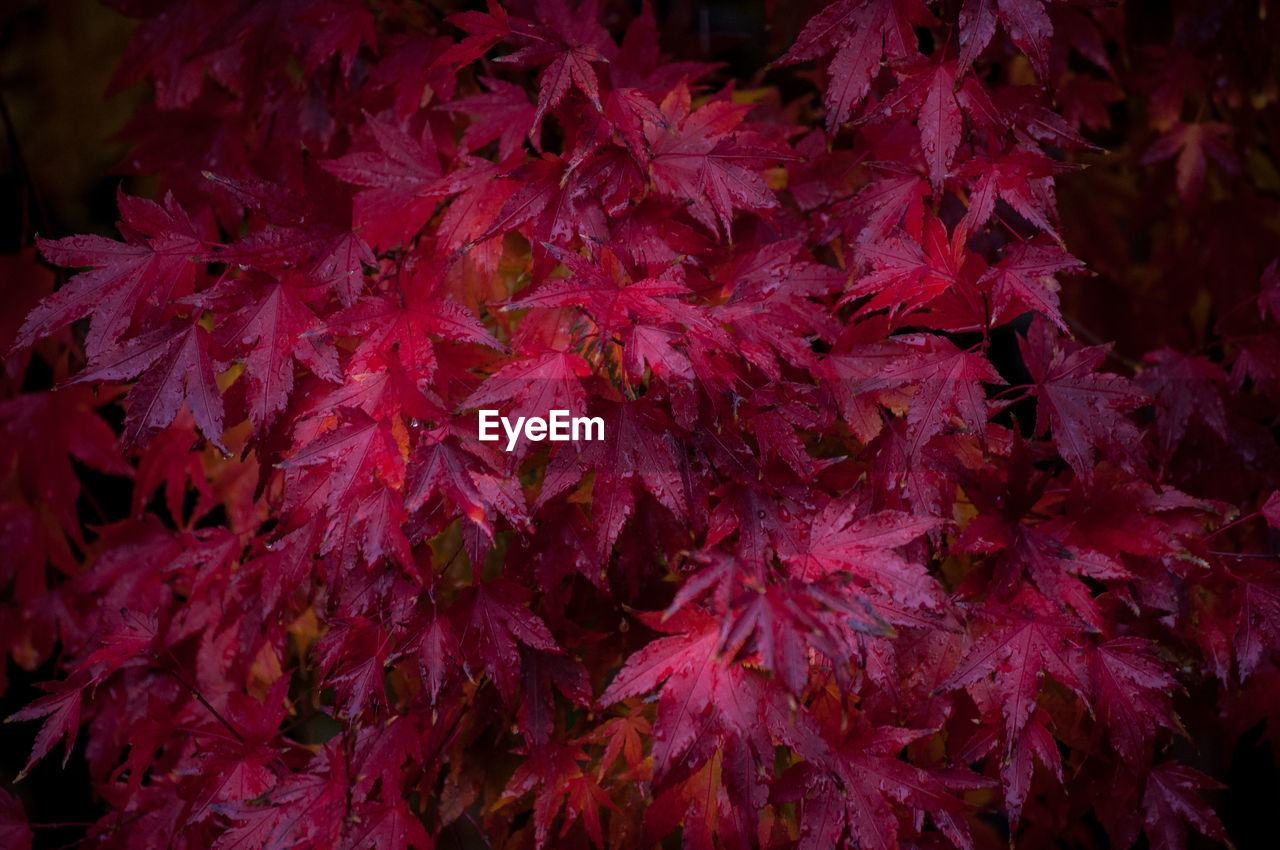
x: 504, y: 114
x: 484, y: 30
x: 438, y: 655
x: 1183, y: 386
x: 1080, y: 407
x: 537, y: 710
x: 1132, y: 696
x: 359, y: 681
x: 570, y: 67
x: 278, y: 328
x: 388, y: 392
x: 1005, y: 525
x: 134, y: 633
x: 302, y: 809
x: 59, y: 427
x: 908, y: 274
x: 837, y: 540
x: 566, y: 42
x: 928, y: 92
x: 497, y: 624
x: 807, y: 399
x: 849, y: 371
x: 1024, y: 280
x: 402, y: 183
x: 379, y: 520
x: 392, y: 825
x: 776, y: 436
x: 655, y: 349
x: 1171, y: 799
x: 770, y: 309
x: 774, y: 622
x: 1269, y: 296
x: 858, y: 796
x: 344, y: 26
x: 1029, y: 642
x: 711, y: 711
x: 1193, y: 144
x: 785, y: 620
x: 854, y: 65
x: 623, y: 736
x: 886, y: 203
x: 977, y: 22
x: 137, y: 276
x: 177, y: 363
x: 701, y: 158
x: 541, y: 199
x: 1256, y: 633
x: 468, y: 474
x: 61, y: 708
x: 400, y: 324
x: 1027, y: 22
x: 1022, y: 178
x: 607, y: 292
x: 534, y: 384
x: 559, y: 781
x: 465, y: 228
x: 1270, y: 510
x: 294, y: 235
x: 948, y: 384
x: 349, y: 463
x: 860, y: 33
x: 1026, y: 105
x: 241, y: 767
x: 639, y: 448
x: 702, y: 808
x: 685, y: 660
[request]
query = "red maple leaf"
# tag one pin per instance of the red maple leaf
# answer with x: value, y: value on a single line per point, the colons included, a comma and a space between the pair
x: 504, y: 113
x: 1030, y: 641
x: 1171, y: 801
x: 497, y: 624
x: 1184, y: 387
x: 177, y: 363
x: 839, y: 540
x: 137, y: 277
x: 1193, y: 144
x: 1081, y: 407
x: 1027, y: 22
x: 1024, y: 280
x: 277, y: 328
x: 907, y: 274
x: 638, y: 451
x: 61, y: 708
x: 701, y: 158
x: 399, y: 324
x: 401, y: 181
x: 860, y: 33
x: 1131, y: 689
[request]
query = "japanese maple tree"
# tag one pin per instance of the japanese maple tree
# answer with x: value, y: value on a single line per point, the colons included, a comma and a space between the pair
x: 939, y: 369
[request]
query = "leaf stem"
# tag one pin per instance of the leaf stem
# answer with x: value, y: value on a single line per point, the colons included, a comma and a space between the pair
x: 173, y: 671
